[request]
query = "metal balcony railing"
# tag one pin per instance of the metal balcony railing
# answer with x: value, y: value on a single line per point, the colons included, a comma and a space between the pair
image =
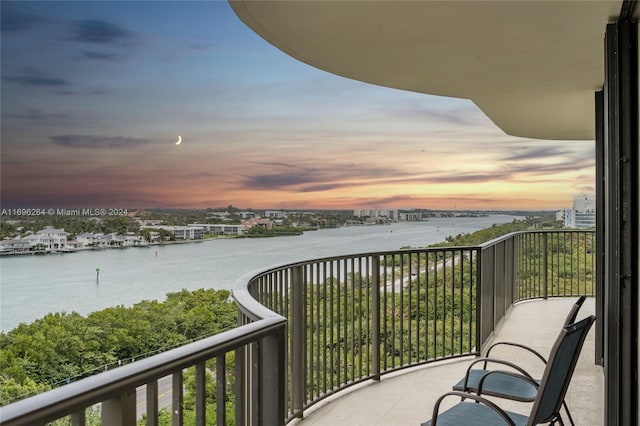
x: 310, y: 329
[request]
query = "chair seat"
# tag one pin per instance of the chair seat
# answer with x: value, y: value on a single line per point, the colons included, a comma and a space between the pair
x: 499, y: 385
x: 472, y: 414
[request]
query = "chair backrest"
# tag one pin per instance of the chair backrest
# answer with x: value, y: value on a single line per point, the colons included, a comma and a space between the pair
x: 557, y: 374
x: 573, y: 313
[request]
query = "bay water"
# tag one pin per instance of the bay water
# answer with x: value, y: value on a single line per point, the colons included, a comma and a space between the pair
x: 32, y: 286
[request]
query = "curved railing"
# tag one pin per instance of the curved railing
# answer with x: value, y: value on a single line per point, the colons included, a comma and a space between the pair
x: 353, y: 318
x: 310, y: 329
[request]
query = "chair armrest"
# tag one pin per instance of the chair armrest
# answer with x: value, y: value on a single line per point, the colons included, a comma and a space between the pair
x: 505, y: 373
x: 485, y: 360
x: 477, y: 398
x: 517, y: 345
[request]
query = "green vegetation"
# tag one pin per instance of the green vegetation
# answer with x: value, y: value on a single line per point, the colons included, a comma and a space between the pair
x: 63, y: 347
x: 488, y: 234
x: 276, y: 231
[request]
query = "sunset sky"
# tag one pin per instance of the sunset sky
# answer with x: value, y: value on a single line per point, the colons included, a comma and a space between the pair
x: 95, y: 94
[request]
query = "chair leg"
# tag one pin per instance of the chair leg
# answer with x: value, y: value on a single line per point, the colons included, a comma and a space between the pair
x: 566, y: 408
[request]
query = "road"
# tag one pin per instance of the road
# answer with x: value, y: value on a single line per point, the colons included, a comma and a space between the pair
x: 164, y: 396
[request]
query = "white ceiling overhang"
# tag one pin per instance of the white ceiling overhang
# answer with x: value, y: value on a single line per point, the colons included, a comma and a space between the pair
x: 531, y: 66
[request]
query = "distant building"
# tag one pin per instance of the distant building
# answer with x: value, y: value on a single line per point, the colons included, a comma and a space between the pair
x: 181, y: 232
x: 410, y: 216
x: 12, y: 247
x: 111, y: 240
x: 377, y: 214
x: 583, y: 214
x: 188, y: 232
x: 88, y: 239
x: 48, y: 239
x: 276, y: 214
x: 261, y: 223
x: 221, y: 229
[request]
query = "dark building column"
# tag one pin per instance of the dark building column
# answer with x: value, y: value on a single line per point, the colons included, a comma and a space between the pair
x: 621, y: 223
x: 600, y: 227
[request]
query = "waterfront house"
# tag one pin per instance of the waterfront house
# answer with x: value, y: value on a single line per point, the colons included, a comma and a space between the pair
x: 57, y: 237
x: 257, y: 222
x: 14, y: 247
x: 88, y: 239
x: 110, y: 240
x: 48, y: 239
x: 134, y: 241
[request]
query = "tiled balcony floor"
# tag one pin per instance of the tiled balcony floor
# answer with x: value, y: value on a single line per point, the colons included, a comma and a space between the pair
x: 407, y: 398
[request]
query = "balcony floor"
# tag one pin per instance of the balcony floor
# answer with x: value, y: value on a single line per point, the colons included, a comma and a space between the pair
x: 407, y: 398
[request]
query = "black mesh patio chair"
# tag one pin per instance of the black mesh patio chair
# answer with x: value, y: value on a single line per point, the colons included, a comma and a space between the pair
x: 509, y: 387
x: 475, y: 410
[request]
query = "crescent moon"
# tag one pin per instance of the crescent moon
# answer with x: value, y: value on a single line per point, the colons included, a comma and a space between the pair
x: 179, y: 140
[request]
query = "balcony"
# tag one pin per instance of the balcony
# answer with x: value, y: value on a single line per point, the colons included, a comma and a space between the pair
x: 397, y: 326
x: 407, y: 397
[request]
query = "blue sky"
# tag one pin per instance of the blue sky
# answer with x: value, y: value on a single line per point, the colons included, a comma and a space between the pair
x: 94, y: 95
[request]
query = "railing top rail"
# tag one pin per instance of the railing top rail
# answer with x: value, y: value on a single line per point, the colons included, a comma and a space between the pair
x: 500, y: 239
x: 91, y: 390
x: 533, y: 231
x: 255, y: 310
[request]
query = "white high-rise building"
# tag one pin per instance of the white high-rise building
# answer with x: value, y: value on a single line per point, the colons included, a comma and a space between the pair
x: 583, y: 214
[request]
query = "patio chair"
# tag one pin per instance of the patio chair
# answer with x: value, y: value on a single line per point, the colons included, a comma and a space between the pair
x: 548, y: 400
x: 509, y: 387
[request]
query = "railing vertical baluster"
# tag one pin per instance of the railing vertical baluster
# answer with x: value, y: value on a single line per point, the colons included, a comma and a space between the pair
x: 545, y: 278
x: 272, y: 380
x: 401, y: 316
x: 336, y: 318
x: 392, y: 314
x: 120, y: 410
x: 201, y: 394
x: 221, y: 391
x: 152, y: 403
x: 360, y: 311
x: 79, y: 418
x: 240, y: 396
x: 309, y: 302
x: 453, y: 301
x: 385, y: 313
x: 297, y: 341
x: 352, y: 319
x: 177, y: 395
x: 327, y: 326
x: 375, y: 317
x: 444, y: 302
x: 479, y: 301
x: 435, y: 303
x: 321, y: 330
x: 419, y: 320
x: 427, y: 305
x: 331, y: 328
x: 345, y: 335
x: 368, y: 323
x: 461, y: 304
x: 573, y: 275
x: 254, y: 377
x: 472, y: 300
